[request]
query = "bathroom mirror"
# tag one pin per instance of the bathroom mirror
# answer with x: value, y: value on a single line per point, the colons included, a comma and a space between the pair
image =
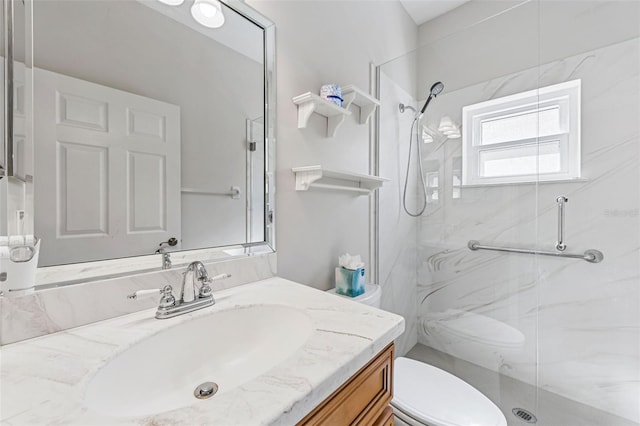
x: 153, y: 123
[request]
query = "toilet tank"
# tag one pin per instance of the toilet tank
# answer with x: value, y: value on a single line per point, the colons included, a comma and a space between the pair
x: 371, y: 296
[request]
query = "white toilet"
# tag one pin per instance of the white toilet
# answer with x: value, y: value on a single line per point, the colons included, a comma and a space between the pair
x: 428, y: 396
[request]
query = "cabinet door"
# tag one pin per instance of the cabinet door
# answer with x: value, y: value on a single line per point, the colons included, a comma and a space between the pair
x: 386, y: 418
x: 363, y: 400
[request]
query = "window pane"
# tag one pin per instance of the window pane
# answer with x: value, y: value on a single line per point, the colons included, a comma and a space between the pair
x: 520, y: 126
x: 528, y: 159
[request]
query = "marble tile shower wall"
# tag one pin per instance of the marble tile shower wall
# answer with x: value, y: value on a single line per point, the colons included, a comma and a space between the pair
x: 580, y: 321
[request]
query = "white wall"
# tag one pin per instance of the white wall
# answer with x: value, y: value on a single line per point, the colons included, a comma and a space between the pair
x: 321, y: 42
x: 580, y: 320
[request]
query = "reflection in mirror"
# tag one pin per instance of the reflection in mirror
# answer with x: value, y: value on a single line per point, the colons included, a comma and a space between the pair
x: 148, y: 126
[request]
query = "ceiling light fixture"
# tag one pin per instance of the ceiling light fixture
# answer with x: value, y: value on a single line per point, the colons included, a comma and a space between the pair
x: 172, y: 2
x: 449, y: 128
x: 207, y: 13
x: 426, y: 135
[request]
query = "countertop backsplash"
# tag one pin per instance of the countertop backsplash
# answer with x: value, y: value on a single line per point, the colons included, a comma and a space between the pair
x: 55, y: 309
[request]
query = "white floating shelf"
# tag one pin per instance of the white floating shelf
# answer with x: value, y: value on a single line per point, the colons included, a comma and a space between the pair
x: 310, y: 177
x: 367, y: 103
x: 308, y: 103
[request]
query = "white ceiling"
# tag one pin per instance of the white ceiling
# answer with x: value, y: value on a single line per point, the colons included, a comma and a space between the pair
x: 424, y: 10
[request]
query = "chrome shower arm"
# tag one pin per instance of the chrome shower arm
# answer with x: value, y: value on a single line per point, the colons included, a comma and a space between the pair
x: 402, y: 107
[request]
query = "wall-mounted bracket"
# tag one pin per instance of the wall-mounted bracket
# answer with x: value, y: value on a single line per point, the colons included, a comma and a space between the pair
x: 367, y: 103
x: 308, y: 103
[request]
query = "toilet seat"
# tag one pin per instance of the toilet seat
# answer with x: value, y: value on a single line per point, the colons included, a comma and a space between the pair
x: 434, y: 397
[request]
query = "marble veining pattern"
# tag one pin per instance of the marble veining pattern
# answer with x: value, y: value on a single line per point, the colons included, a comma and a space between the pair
x: 56, y: 309
x: 580, y: 321
x: 44, y: 379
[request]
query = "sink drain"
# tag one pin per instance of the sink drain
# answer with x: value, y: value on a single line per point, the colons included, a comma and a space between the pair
x: 525, y: 415
x: 205, y: 390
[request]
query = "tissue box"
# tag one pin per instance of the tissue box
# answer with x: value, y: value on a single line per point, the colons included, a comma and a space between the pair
x: 350, y: 282
x: 332, y: 93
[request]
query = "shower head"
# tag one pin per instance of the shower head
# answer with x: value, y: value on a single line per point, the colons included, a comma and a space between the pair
x: 435, y: 90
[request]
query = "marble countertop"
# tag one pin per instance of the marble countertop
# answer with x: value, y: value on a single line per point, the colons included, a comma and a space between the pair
x: 44, y: 379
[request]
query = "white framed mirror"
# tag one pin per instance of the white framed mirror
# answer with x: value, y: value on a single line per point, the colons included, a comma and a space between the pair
x: 153, y: 134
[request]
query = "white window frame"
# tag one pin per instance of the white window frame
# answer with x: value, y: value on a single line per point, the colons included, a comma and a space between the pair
x: 564, y: 96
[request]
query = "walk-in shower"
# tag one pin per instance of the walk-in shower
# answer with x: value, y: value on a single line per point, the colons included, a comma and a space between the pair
x: 539, y: 313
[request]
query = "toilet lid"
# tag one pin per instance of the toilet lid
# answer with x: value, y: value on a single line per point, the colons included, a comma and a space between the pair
x: 371, y: 292
x: 437, y: 398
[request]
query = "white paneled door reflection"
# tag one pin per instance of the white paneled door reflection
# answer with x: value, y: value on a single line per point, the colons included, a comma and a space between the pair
x: 107, y: 171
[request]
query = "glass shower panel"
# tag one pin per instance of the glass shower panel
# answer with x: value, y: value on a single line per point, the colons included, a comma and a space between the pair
x: 546, y: 336
x: 476, y: 310
x: 397, y: 235
x: 589, y: 315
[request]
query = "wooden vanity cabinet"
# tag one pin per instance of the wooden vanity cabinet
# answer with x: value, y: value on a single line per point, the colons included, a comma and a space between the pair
x: 362, y: 400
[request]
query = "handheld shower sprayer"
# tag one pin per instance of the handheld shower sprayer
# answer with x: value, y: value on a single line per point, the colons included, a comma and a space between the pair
x: 435, y: 90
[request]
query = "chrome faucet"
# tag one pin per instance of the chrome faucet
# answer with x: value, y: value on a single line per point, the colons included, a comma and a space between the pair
x: 199, y: 273
x: 166, y: 256
x: 197, y: 297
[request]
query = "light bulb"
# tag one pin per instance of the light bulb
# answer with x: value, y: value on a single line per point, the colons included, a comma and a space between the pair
x: 449, y: 128
x: 426, y: 136
x: 172, y: 2
x: 208, y: 13
x: 207, y: 10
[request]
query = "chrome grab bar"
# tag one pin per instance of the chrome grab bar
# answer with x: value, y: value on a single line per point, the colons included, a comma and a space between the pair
x: 592, y: 256
x: 560, y: 245
x: 234, y: 192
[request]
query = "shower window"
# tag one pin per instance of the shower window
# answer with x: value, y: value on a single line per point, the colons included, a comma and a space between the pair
x: 527, y: 137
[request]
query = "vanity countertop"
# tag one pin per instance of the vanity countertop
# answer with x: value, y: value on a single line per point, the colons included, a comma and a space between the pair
x: 44, y: 379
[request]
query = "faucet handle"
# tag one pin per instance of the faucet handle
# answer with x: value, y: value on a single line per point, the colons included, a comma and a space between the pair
x: 166, y: 300
x: 142, y: 294
x: 219, y: 277
x: 205, y: 290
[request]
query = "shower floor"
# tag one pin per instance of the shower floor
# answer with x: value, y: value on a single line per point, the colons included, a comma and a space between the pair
x: 507, y: 393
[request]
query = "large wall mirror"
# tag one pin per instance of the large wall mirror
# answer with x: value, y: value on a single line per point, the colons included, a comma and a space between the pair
x: 153, y: 123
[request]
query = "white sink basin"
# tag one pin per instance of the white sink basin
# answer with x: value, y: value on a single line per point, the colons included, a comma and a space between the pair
x: 229, y: 348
